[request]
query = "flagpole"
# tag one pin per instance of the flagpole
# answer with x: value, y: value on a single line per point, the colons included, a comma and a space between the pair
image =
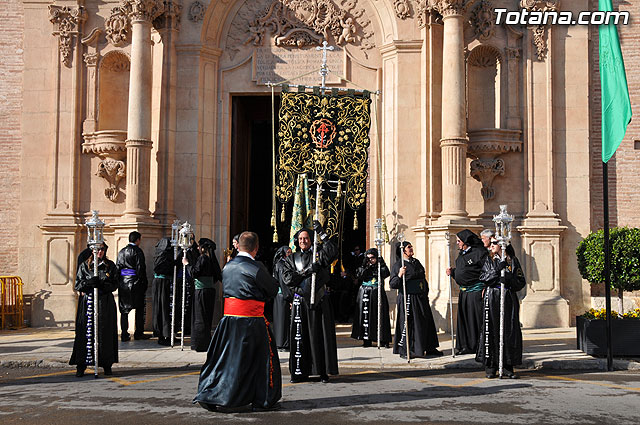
x: 607, y: 263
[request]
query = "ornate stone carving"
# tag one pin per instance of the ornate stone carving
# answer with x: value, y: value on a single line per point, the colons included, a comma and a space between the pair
x: 302, y: 23
x: 449, y: 7
x: 539, y: 30
x: 117, y: 26
x: 512, y: 52
x: 423, y: 9
x: 68, y: 21
x: 170, y: 16
x: 91, y: 59
x: 484, y: 56
x: 143, y: 10
x: 116, y: 61
x: 482, y: 20
x: 485, y: 170
x: 106, y: 143
x: 402, y: 8
x: 113, y: 171
x: 196, y: 11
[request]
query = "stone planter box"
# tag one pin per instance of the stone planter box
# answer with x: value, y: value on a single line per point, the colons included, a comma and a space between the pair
x: 592, y: 337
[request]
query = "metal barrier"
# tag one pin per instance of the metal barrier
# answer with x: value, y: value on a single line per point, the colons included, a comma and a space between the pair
x: 12, y: 309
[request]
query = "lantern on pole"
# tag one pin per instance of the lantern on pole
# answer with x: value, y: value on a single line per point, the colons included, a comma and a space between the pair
x: 185, y: 234
x: 95, y: 239
x: 175, y: 229
x: 503, y: 223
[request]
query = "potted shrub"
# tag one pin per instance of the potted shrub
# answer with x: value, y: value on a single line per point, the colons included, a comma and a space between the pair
x: 625, y: 276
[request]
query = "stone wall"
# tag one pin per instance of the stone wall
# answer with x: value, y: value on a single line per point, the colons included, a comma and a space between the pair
x: 11, y: 72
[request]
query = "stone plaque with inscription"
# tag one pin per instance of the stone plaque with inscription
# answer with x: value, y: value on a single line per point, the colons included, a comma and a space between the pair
x: 275, y: 64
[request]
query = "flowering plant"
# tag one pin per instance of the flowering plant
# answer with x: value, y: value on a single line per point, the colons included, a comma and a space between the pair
x: 601, y: 314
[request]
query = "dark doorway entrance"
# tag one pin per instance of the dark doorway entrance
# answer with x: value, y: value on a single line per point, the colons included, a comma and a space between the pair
x: 251, y: 181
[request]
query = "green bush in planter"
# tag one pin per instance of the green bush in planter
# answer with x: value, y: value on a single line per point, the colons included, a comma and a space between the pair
x: 625, y: 258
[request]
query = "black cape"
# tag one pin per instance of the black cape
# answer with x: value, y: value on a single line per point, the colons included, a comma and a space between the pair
x: 423, y: 337
x: 282, y: 303
x: 313, y: 348
x: 242, y: 365
x: 489, y: 345
x: 467, y: 276
x: 163, y: 265
x: 82, y: 354
x: 204, y: 300
x: 131, y: 293
x: 365, y: 322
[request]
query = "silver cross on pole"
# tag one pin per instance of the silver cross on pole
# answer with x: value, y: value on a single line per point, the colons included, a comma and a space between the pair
x: 324, y: 71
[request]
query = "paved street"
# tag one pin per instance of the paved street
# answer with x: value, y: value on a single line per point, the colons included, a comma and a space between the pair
x: 163, y: 396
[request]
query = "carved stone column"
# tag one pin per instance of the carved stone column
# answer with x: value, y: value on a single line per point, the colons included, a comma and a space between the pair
x: 142, y: 13
x: 454, y: 121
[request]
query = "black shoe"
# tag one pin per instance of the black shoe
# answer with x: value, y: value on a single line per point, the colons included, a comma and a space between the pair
x: 490, y: 373
x: 434, y: 352
x: 164, y: 341
x: 324, y: 379
x: 386, y: 345
x: 80, y: 372
x: 509, y: 374
x: 296, y: 380
x: 276, y: 406
x: 464, y: 351
x: 141, y: 336
x: 366, y: 343
x: 108, y: 371
x: 125, y: 337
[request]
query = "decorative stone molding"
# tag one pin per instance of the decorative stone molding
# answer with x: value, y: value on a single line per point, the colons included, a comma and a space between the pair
x: 117, y: 26
x: 539, y: 30
x: 116, y: 61
x: 485, y: 170
x: 301, y: 23
x: 106, y: 143
x: 169, y: 19
x: 512, y: 52
x: 450, y: 7
x: 196, y: 11
x: 68, y: 22
x: 402, y: 8
x: 482, y: 20
x: 484, y: 56
x: 113, y: 171
x: 90, y: 59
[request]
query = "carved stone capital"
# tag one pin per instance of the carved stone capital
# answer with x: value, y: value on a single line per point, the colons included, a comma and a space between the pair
x: 483, y: 20
x: 197, y: 11
x: 113, y: 171
x: 485, y: 170
x: 143, y: 10
x: 106, y: 144
x: 90, y: 59
x: 117, y: 26
x: 67, y: 21
x: 169, y: 19
x: 512, y: 52
x: 490, y: 142
x: 450, y: 7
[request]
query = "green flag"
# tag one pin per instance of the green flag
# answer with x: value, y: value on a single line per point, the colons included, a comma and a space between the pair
x: 302, y: 215
x: 616, y: 106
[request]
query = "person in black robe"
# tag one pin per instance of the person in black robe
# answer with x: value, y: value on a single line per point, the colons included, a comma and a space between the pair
x: 489, y: 346
x: 242, y: 365
x: 192, y: 256
x: 313, y: 349
x: 133, y: 287
x: 106, y: 282
x: 466, y: 273
x: 282, y: 303
x: 163, y: 266
x: 205, y: 272
x: 365, y: 323
x: 423, y: 336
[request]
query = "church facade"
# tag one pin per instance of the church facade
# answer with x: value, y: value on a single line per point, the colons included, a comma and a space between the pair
x: 128, y: 108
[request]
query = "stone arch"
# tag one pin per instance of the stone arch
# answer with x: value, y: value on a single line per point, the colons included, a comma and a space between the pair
x: 113, y: 90
x: 484, y: 71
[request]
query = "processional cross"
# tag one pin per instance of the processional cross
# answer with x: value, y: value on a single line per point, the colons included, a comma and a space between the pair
x: 324, y: 71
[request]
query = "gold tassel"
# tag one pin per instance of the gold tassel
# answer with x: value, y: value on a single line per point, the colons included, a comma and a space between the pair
x: 275, y: 235
x: 385, y: 232
x: 355, y: 220
x: 273, y: 218
x: 339, y: 194
x: 283, y: 216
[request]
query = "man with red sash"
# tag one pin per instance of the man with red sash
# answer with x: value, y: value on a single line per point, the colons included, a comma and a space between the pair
x: 242, y: 366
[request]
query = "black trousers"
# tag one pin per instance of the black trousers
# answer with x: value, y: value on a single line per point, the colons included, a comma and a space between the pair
x: 124, y: 321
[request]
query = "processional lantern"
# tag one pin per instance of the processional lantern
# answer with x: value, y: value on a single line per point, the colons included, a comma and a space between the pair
x: 184, y: 241
x: 95, y: 227
x: 185, y: 235
x: 175, y: 232
x: 503, y: 223
x: 379, y: 238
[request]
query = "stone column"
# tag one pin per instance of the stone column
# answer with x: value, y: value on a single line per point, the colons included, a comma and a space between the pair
x: 454, y: 122
x: 142, y: 13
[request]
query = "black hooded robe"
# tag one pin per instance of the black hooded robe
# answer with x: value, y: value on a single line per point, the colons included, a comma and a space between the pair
x: 312, y: 348
x: 133, y: 287
x: 467, y: 275
x: 423, y: 336
x: 205, y: 272
x: 163, y: 266
x: 365, y: 322
x: 489, y: 345
x: 82, y: 354
x: 242, y: 365
x: 282, y: 303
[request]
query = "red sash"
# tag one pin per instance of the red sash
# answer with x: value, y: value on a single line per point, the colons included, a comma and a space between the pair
x: 243, y: 308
